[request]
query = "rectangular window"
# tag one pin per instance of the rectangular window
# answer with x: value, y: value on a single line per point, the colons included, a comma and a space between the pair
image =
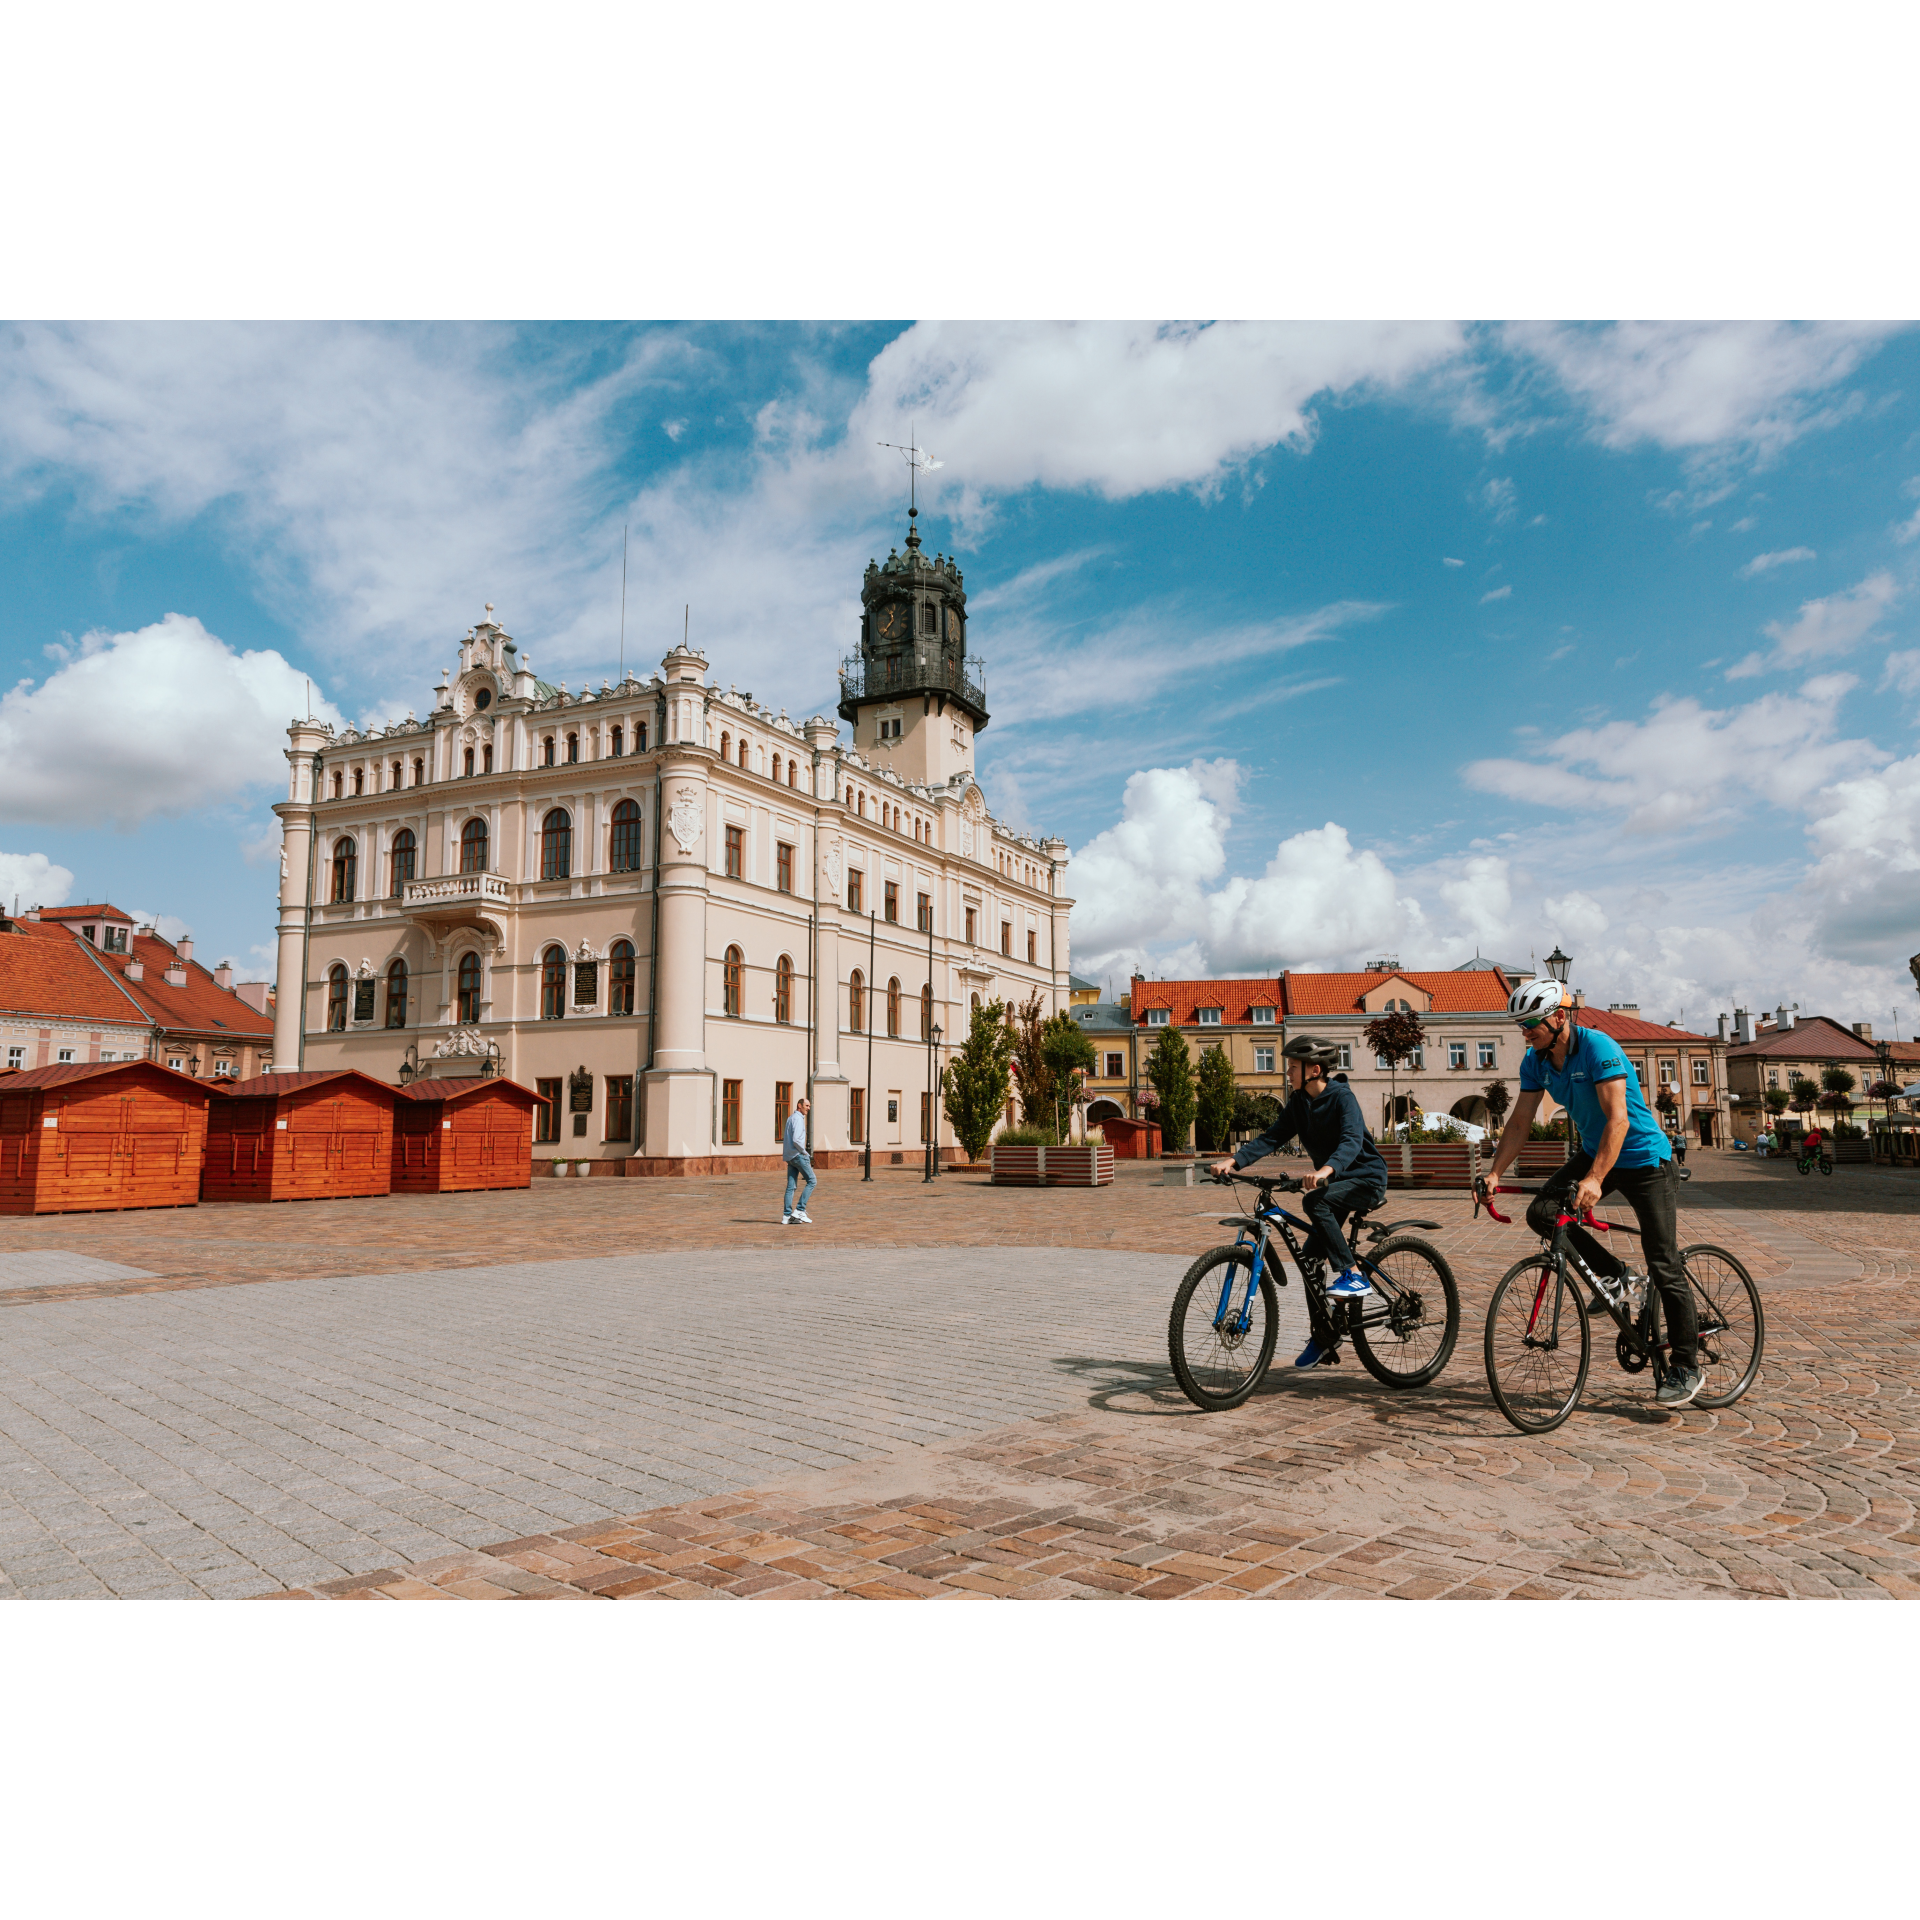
x: 1456, y: 1054
x: 1033, y: 958
x: 619, y: 1106
x: 546, y: 1116
x: 1700, y: 1073
x: 1417, y: 1060
x: 177, y: 1062
x: 1773, y: 1076
x: 1209, y: 1016
x: 1346, y: 1057
x: 730, y: 1113
x: 1263, y: 1016
x: 925, y: 911
x: 972, y: 934
x: 17, y: 1058
x: 736, y: 852
x: 783, y: 867
x: 893, y: 901
x: 1156, y: 1016
x: 1487, y: 1056
x: 926, y: 1109
x: 64, y: 1056
x: 856, y: 891
x: 1667, y: 1074
x: 1640, y: 1073
x: 782, y: 1106
x: 857, y: 1116
x: 223, y: 1069
x: 1006, y: 938
x: 1263, y: 1059
x: 1381, y: 1061
x: 1116, y: 1066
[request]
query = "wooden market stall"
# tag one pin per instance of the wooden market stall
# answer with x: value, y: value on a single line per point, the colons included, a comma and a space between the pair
x: 81, y: 1139
x: 459, y: 1135
x: 301, y: 1136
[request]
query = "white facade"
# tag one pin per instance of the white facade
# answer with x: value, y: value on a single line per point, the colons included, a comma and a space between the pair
x: 754, y: 854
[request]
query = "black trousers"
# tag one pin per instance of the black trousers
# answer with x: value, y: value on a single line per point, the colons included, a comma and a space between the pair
x: 1653, y: 1194
x: 1328, y: 1206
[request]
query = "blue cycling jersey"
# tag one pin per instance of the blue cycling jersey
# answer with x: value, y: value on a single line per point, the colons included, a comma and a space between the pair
x: 1591, y: 1058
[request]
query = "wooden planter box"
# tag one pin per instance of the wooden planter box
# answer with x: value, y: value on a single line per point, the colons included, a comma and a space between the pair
x: 301, y: 1136
x: 84, y: 1139
x: 1052, y: 1166
x: 462, y: 1136
x: 1433, y: 1166
x: 1849, y: 1153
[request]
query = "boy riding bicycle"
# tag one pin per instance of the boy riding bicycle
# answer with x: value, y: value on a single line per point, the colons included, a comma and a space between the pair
x: 1621, y: 1150
x: 1348, y: 1174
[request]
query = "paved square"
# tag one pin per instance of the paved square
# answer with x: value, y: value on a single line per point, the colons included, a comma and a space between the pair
x: 634, y: 1388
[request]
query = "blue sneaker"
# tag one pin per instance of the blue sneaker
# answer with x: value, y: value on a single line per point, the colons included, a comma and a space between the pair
x: 1351, y: 1285
x: 1311, y: 1354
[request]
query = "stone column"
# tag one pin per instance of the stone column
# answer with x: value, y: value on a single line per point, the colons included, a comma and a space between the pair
x: 832, y: 1115
x: 296, y: 848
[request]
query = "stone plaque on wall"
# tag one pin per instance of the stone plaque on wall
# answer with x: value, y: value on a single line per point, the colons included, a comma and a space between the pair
x: 586, y: 982
x: 580, y: 1091
x: 363, y: 999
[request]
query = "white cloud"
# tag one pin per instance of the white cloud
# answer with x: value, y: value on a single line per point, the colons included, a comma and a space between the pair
x: 1766, y: 562
x: 1498, y: 593
x: 1832, y: 625
x: 1497, y: 497
x: 1124, y: 409
x: 33, y: 880
x: 161, y: 721
x: 167, y: 925
x: 1575, y: 916
x: 1692, y: 386
x: 1902, y: 673
x: 1452, y: 563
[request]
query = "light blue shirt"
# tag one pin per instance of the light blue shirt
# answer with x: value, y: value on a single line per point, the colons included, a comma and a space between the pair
x: 793, y: 1143
x: 1592, y: 1058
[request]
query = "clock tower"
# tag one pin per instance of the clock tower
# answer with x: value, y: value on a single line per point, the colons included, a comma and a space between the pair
x: 907, y: 692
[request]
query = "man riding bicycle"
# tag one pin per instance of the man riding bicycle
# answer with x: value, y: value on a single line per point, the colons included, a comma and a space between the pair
x: 1348, y: 1174
x: 1621, y: 1150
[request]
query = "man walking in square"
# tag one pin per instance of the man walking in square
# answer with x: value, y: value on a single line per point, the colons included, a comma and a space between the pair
x: 793, y: 1150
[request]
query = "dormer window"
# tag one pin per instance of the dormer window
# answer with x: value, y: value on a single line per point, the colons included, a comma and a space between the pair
x: 1263, y: 1016
x: 1209, y: 1016
x: 1157, y: 1016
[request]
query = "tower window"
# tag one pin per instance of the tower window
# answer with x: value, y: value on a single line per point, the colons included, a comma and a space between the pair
x: 626, y: 838
x: 403, y: 859
x: 620, y: 977
x: 344, y: 863
x: 553, y: 984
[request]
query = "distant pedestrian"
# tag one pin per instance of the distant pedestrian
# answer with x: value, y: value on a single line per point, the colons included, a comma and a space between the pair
x: 793, y: 1150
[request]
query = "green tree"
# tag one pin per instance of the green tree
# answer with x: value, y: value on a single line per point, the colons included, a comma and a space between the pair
x: 1802, y: 1095
x: 1170, y: 1074
x: 1254, y: 1112
x: 1068, y: 1057
x: 1499, y: 1098
x: 1032, y: 1078
x: 1213, y: 1104
x: 977, y: 1082
x: 1777, y: 1098
x: 1839, y: 1085
x: 1396, y: 1038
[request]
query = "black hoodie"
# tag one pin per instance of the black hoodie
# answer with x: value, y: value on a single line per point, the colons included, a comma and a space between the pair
x: 1329, y: 1126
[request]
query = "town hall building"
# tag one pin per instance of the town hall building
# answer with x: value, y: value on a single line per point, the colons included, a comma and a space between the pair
x: 665, y: 908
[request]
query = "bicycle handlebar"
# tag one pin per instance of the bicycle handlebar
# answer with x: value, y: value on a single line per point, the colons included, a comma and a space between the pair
x: 1283, y: 1182
x: 1483, y: 1194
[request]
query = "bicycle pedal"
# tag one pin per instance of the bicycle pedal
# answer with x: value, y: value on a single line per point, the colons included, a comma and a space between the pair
x: 1331, y: 1358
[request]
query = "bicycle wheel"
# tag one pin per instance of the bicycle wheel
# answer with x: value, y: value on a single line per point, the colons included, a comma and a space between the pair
x: 1806, y: 1166
x: 1538, y: 1345
x: 1733, y: 1328
x: 1415, y: 1341
x: 1826, y: 1165
x: 1216, y: 1361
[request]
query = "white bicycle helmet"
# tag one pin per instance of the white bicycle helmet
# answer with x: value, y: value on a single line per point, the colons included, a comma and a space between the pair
x: 1536, y: 999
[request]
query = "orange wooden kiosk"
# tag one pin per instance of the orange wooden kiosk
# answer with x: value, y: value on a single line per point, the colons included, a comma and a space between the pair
x: 301, y: 1136
x: 84, y: 1139
x: 459, y: 1135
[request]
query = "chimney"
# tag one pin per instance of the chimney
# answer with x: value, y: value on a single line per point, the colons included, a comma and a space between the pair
x: 32, y: 913
x: 1742, y: 1025
x: 1864, y: 1028
x: 223, y: 976
x: 1725, y: 1023
x: 176, y: 973
x: 135, y: 970
x: 184, y: 948
x: 1783, y: 1019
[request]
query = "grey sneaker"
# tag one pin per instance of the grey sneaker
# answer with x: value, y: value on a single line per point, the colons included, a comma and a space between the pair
x: 1679, y: 1387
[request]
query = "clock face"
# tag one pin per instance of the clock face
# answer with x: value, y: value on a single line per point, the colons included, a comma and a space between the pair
x: 892, y: 622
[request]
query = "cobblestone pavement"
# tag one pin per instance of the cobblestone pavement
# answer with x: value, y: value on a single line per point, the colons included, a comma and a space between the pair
x: 908, y: 1414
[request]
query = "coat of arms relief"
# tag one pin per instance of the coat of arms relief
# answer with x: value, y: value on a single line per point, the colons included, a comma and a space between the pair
x: 683, y: 819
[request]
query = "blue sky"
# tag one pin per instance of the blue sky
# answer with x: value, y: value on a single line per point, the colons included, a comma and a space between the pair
x: 1314, y: 641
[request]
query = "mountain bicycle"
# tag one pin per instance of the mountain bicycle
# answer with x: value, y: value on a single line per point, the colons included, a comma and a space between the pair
x: 1539, y: 1342
x: 1225, y: 1319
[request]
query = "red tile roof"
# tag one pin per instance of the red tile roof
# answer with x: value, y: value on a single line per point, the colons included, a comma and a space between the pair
x: 201, y: 1006
x: 1479, y: 991
x: 1814, y: 1037
x: 46, y: 974
x: 1629, y: 1027
x: 63, y: 1076
x: 464, y: 1086
x: 1236, y: 999
x: 100, y: 912
x: 269, y: 1086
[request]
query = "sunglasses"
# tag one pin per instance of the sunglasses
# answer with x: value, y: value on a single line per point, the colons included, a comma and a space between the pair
x: 1527, y: 1026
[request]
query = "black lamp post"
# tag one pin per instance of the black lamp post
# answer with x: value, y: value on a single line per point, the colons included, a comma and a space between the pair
x: 933, y: 1100
x: 866, y: 1013
x: 1559, y: 964
x: 410, y: 1065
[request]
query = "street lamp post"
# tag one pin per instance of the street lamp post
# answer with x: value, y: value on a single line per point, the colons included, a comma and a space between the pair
x: 933, y: 1100
x: 1559, y: 964
x: 866, y: 1013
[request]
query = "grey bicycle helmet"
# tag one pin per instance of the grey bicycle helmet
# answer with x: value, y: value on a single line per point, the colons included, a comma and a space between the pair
x: 1316, y: 1053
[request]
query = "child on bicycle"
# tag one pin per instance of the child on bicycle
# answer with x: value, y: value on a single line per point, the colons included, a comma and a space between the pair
x: 1621, y: 1149
x: 1348, y: 1174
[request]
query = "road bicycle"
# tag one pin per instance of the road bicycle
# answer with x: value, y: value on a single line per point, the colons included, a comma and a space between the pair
x: 1225, y: 1319
x: 1539, y: 1340
x: 1825, y: 1159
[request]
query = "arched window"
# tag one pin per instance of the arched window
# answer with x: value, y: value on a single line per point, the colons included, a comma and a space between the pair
x: 857, y: 1001
x: 546, y: 751
x: 403, y: 858
x: 625, y: 850
x: 733, y: 983
x: 556, y: 845
x: 639, y: 736
x: 620, y: 977
x: 793, y: 769
x: 336, y: 999
x: 926, y: 1011
x: 776, y: 769
x: 397, y: 994
x: 893, y: 1009
x: 466, y: 765
x: 336, y: 783
x: 473, y: 847
x: 783, y: 991
x: 553, y: 984
x: 359, y: 782
x: 419, y: 773
x: 345, y: 859
x: 726, y: 744
x: 573, y: 749
x: 860, y: 804
x: 743, y: 749
x: 396, y: 773
x: 976, y: 1003
x: 619, y: 742
x: 468, y: 1005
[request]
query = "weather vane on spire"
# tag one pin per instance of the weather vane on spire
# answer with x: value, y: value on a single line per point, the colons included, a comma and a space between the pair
x: 919, y: 461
